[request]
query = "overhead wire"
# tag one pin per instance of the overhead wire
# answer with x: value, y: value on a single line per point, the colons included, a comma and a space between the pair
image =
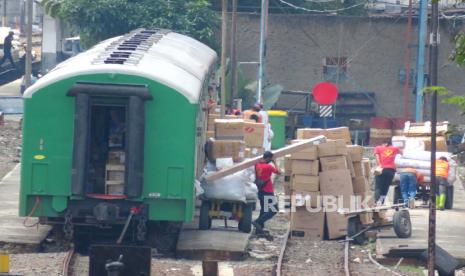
x: 321, y: 11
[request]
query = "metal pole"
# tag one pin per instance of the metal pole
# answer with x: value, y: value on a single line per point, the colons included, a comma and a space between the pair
x: 262, y: 51
x: 408, y: 38
x: 233, y: 52
x: 434, y: 41
x: 4, y: 23
x: 223, y: 55
x: 28, y: 69
x: 422, y: 21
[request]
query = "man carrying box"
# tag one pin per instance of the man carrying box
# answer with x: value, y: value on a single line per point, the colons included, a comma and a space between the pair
x: 385, y: 155
x: 268, y: 202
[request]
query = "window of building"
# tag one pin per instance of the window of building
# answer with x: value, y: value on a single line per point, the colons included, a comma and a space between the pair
x: 335, y: 68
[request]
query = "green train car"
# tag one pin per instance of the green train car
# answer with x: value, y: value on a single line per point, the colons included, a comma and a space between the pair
x: 117, y: 128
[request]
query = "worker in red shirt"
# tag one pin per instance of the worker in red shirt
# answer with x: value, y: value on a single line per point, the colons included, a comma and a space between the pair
x: 385, y: 156
x: 268, y: 202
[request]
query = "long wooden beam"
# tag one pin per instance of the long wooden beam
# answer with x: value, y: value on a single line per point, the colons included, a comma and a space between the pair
x: 277, y: 153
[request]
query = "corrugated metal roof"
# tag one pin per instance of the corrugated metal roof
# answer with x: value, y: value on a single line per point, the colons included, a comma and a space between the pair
x: 172, y: 59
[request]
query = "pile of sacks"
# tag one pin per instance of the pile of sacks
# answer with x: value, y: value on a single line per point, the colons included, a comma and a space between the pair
x: 421, y: 161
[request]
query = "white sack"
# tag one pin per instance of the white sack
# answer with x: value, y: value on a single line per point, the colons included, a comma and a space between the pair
x: 231, y: 187
x: 251, y: 191
x: 403, y: 162
x: 424, y: 155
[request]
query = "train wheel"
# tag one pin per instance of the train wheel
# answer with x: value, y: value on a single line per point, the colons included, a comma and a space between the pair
x: 449, y: 197
x: 354, y: 226
x: 402, y: 224
x: 245, y: 223
x: 205, y: 222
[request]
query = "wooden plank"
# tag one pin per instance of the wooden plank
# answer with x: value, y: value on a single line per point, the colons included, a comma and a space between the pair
x: 277, y: 153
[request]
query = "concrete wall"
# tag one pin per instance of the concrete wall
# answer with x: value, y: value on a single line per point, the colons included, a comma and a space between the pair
x: 297, y: 45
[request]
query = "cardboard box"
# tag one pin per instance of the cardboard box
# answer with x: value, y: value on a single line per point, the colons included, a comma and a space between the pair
x: 308, y: 133
x: 366, y: 218
x: 358, y: 168
x: 355, y: 152
x: 309, y: 153
x: 332, y: 148
x: 350, y: 165
x: 253, y: 152
x: 307, y: 183
x: 116, y: 157
x: 229, y: 129
x: 360, y: 185
x: 213, y: 116
x: 337, y: 225
x: 303, y: 198
x: 225, y: 148
x: 330, y: 163
x: 366, y: 167
x: 337, y: 183
x: 254, y: 134
x: 342, y: 133
x: 305, y: 167
x: 307, y: 225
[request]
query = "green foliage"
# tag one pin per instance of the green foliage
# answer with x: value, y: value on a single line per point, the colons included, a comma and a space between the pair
x: 51, y: 7
x: 440, y: 90
x: 459, y: 53
x: 459, y: 101
x: 97, y: 20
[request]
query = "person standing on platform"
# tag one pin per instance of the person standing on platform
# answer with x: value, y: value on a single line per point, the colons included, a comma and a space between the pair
x: 409, y: 179
x: 442, y: 173
x: 7, y: 46
x: 385, y: 155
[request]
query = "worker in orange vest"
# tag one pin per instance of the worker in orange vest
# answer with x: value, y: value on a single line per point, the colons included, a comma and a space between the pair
x: 409, y: 179
x: 442, y: 173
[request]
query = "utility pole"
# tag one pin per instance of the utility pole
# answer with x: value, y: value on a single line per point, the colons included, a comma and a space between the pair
x: 434, y: 42
x: 28, y: 69
x: 420, y: 80
x: 224, y: 22
x: 408, y: 38
x: 233, y: 52
x: 4, y: 23
x: 262, y: 51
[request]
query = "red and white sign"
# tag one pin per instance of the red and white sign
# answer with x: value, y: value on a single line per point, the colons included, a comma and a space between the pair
x: 325, y: 93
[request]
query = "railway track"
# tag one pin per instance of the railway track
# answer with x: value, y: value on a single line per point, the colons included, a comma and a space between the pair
x: 66, y: 269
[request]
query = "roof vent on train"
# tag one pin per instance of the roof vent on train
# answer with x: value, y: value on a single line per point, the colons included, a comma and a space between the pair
x: 130, y: 48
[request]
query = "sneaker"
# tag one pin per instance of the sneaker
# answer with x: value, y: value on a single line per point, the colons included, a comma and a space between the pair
x: 411, y: 203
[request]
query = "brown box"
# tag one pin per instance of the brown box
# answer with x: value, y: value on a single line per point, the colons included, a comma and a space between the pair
x: 337, y: 183
x: 355, y: 152
x: 305, y: 167
x: 332, y: 148
x: 307, y: 225
x: 350, y: 165
x: 229, y: 129
x: 360, y: 185
x: 339, y: 133
x: 308, y: 133
x: 225, y: 148
x: 254, y: 134
x: 330, y: 163
x: 337, y: 225
x: 366, y: 167
x: 308, y: 183
x: 358, y: 168
x: 366, y: 218
x: 301, y: 197
x: 213, y: 116
x: 253, y: 152
x: 309, y: 153
x: 116, y: 157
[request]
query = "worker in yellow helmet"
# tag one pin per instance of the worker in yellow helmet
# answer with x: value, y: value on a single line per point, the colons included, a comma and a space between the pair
x: 442, y: 173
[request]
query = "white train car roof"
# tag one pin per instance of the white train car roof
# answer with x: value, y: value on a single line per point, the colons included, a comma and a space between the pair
x: 172, y: 59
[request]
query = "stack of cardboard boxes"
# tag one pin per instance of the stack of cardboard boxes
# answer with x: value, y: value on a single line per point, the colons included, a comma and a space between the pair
x: 233, y: 137
x: 330, y: 174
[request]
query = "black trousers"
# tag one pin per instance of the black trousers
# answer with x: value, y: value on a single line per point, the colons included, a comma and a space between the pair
x: 268, y: 207
x: 382, y: 183
x: 7, y: 55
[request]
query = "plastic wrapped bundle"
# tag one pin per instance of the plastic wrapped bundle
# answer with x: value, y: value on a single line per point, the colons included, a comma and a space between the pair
x: 234, y: 187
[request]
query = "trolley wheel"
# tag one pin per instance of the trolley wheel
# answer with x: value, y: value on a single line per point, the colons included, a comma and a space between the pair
x: 205, y: 222
x: 449, y: 197
x: 354, y: 226
x: 402, y: 224
x: 245, y: 223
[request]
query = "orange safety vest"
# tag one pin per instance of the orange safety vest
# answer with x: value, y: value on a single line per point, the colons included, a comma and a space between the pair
x: 442, y: 168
